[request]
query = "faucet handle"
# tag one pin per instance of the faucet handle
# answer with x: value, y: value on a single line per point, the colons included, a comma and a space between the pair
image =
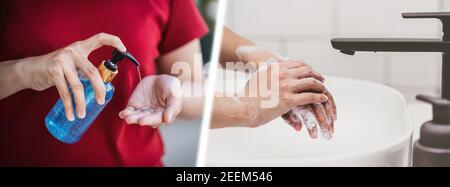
x: 441, y: 108
x: 443, y: 16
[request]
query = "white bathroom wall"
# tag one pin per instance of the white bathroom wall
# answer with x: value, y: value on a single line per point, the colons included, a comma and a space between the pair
x: 303, y: 28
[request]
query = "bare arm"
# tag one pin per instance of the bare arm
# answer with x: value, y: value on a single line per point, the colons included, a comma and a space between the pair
x: 192, y: 104
x: 234, y: 45
x: 11, y: 79
x: 230, y: 42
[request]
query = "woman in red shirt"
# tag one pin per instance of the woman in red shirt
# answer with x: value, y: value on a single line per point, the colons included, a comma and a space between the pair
x: 44, y: 43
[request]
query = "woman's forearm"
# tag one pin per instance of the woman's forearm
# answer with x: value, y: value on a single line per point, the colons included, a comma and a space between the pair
x: 228, y: 112
x: 11, y: 80
x: 230, y: 42
x: 236, y: 48
x: 192, y: 102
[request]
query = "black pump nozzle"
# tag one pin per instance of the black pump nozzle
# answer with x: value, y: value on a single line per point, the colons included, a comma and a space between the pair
x: 118, y: 56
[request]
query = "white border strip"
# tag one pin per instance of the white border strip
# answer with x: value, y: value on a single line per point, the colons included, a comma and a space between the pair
x: 209, y: 92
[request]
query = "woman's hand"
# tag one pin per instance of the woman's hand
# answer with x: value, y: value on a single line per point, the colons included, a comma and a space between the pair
x: 156, y: 101
x: 298, y: 85
x: 324, y: 114
x: 60, y: 67
x: 312, y: 116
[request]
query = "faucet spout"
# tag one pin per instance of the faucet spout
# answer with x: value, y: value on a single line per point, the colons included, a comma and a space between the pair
x: 348, y: 45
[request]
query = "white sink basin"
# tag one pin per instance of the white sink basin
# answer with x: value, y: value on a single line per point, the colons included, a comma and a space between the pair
x: 373, y: 129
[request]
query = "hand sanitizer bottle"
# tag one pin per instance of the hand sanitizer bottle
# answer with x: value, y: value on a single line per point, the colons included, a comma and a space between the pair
x: 71, y: 131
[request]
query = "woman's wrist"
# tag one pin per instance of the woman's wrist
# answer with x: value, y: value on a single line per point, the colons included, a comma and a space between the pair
x: 255, y: 54
x: 229, y: 111
x: 23, y: 74
x: 11, y: 78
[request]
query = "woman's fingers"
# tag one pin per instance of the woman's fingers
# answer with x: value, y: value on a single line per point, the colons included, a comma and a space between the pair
x: 292, y: 120
x: 77, y: 90
x: 329, y: 112
x: 134, y: 118
x: 321, y: 117
x: 292, y: 64
x: 62, y: 70
x: 142, y: 117
x: 127, y: 111
x: 94, y: 77
x: 86, y: 47
x: 60, y: 83
x: 306, y: 85
x: 103, y: 39
x: 306, y: 98
x: 305, y: 72
x: 332, y: 104
x: 312, y: 132
x: 154, y: 120
x: 308, y: 119
x: 300, y: 70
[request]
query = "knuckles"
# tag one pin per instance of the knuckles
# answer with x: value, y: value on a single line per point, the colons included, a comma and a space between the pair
x: 55, y: 71
x: 69, y: 51
x: 66, y: 96
x: 283, y: 75
x: 91, y: 70
x: 284, y: 86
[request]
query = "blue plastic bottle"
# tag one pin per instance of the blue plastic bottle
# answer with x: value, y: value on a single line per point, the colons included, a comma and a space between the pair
x: 71, y: 131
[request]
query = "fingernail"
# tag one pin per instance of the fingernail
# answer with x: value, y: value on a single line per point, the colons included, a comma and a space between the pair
x: 324, y: 98
x: 101, y: 101
x: 325, y: 134
x: 313, y: 133
x: 70, y: 118
x: 81, y: 115
x: 123, y: 49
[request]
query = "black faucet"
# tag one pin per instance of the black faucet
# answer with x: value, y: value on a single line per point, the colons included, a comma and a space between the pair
x: 433, y: 147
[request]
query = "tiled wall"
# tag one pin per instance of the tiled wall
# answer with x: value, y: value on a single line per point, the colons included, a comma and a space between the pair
x: 302, y: 29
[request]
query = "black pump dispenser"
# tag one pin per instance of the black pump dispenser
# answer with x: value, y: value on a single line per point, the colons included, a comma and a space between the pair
x: 108, y: 68
x: 118, y: 56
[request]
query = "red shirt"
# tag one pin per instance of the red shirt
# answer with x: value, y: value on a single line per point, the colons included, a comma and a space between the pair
x: 148, y: 28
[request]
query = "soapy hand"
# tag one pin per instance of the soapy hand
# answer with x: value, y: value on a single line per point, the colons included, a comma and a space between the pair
x: 155, y: 101
x: 60, y: 68
x: 298, y: 85
x: 315, y: 115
